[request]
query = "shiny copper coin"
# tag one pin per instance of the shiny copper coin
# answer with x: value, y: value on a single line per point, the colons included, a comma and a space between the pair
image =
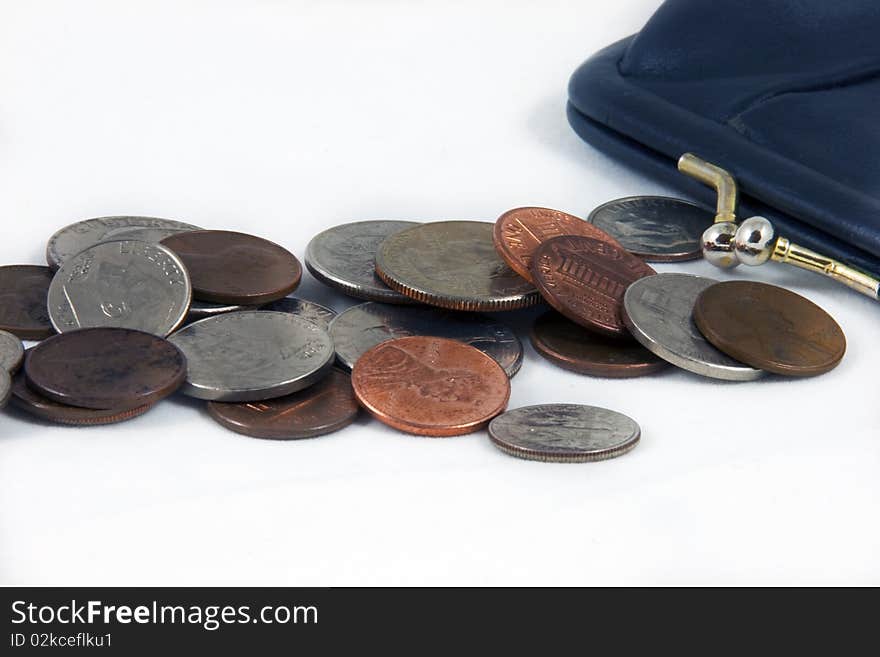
x: 770, y: 328
x: 235, y: 268
x: 35, y: 404
x: 323, y: 408
x: 23, y: 309
x: 584, y: 278
x: 430, y: 386
x: 519, y: 232
x: 105, y: 368
x: 573, y: 347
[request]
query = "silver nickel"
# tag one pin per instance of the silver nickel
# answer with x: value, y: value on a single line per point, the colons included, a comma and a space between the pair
x: 201, y: 309
x: 79, y: 236
x: 362, y: 327
x: 123, y: 284
x: 659, y: 314
x: 453, y: 264
x: 566, y: 433
x: 11, y: 352
x: 307, y: 310
x: 657, y: 228
x: 344, y: 257
x: 252, y: 355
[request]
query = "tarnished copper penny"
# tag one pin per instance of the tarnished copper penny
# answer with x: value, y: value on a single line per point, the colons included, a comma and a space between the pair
x: 323, y: 408
x: 23, y: 309
x: 430, y: 386
x: 235, y: 268
x: 105, y: 368
x: 584, y: 278
x: 32, y: 402
x: 519, y: 232
x: 573, y: 347
x: 770, y: 328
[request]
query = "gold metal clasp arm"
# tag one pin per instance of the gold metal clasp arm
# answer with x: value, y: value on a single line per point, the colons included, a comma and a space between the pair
x: 717, y: 178
x: 754, y: 241
x: 786, y: 251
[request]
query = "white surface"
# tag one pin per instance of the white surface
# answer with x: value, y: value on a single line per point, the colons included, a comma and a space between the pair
x: 284, y: 118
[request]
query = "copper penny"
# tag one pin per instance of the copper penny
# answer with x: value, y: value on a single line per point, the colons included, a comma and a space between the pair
x: 573, y: 347
x: 235, y: 268
x: 585, y: 278
x: 770, y: 328
x: 105, y: 368
x: 23, y: 309
x: 430, y: 386
x: 519, y: 232
x: 323, y: 408
x: 32, y: 402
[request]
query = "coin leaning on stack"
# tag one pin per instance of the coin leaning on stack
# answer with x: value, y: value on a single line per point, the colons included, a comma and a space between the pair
x: 134, y: 309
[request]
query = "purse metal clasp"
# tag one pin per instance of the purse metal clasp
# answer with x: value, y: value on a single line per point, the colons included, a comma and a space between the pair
x: 754, y: 241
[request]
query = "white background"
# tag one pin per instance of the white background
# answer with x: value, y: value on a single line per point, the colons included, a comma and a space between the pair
x: 285, y: 118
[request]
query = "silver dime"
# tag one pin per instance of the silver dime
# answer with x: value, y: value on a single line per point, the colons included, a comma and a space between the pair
x: 123, y: 284
x: 307, y: 310
x: 658, y: 312
x: 201, y: 309
x: 79, y: 236
x: 5, y: 387
x: 252, y: 355
x: 657, y: 228
x: 570, y: 433
x: 11, y: 352
x: 452, y: 264
x: 362, y: 327
x: 344, y: 257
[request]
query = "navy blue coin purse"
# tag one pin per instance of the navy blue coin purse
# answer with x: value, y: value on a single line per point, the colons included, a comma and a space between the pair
x: 784, y: 94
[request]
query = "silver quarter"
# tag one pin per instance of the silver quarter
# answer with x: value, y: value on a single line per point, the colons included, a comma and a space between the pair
x: 201, y: 309
x: 252, y: 355
x: 307, y: 310
x: 659, y: 314
x: 452, y: 264
x: 657, y: 228
x: 77, y: 237
x: 123, y: 284
x: 362, y: 327
x: 567, y: 433
x: 5, y: 387
x: 11, y: 352
x: 344, y: 257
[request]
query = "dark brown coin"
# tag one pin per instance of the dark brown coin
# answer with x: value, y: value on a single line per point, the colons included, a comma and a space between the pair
x: 430, y: 386
x: 770, y: 328
x: 519, y: 232
x: 105, y: 368
x: 235, y: 268
x: 585, y: 278
x: 323, y: 408
x: 39, y: 406
x: 23, y: 310
x: 573, y: 347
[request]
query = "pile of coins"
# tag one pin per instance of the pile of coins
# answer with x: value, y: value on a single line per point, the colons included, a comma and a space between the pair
x: 133, y: 309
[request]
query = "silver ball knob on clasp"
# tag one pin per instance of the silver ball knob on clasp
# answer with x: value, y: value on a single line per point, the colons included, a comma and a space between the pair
x: 718, y: 244
x: 754, y: 241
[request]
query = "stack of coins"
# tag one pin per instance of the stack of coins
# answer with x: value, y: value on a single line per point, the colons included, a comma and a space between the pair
x: 614, y: 316
x: 133, y: 309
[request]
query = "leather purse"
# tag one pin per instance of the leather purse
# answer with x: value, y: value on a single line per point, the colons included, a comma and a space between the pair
x: 784, y: 94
